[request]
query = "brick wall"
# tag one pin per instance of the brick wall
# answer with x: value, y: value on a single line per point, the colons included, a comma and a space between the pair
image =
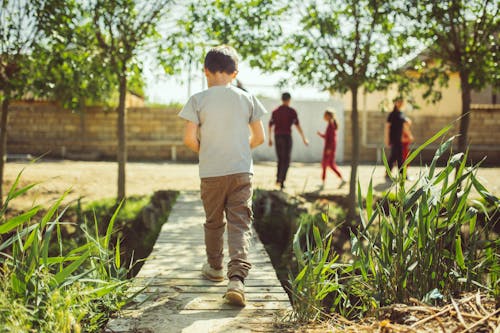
x: 45, y: 128
x: 484, y: 133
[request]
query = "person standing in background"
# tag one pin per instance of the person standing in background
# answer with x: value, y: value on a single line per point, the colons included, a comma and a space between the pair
x: 393, y: 135
x: 282, y: 120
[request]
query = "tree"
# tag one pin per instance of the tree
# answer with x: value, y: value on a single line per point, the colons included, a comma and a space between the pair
x: 345, y: 46
x: 460, y: 36
x: 250, y: 26
x: 122, y: 29
x: 19, y: 33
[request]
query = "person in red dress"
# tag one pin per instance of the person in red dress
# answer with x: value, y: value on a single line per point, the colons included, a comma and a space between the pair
x: 330, y: 137
x: 406, y: 138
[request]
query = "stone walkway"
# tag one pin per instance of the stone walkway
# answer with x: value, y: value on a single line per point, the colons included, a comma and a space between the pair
x: 175, y: 297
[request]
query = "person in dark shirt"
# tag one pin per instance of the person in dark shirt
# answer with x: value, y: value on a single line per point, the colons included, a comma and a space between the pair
x: 282, y: 120
x: 393, y: 134
x: 330, y: 137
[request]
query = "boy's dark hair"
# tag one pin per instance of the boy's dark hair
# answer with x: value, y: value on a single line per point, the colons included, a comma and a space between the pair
x: 286, y: 97
x: 222, y: 58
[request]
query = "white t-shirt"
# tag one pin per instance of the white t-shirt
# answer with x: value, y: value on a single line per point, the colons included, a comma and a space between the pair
x: 223, y: 114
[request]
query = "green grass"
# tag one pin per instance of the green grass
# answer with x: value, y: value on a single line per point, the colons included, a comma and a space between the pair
x: 67, y: 291
x: 428, y: 240
x: 129, y: 210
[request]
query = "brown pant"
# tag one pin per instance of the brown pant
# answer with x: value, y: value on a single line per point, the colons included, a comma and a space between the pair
x: 231, y: 194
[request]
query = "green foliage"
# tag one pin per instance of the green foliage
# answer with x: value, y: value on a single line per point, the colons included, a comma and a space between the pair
x: 19, y: 33
x: 61, y: 292
x: 316, y: 271
x: 344, y: 45
x: 128, y: 211
x: 459, y: 36
x: 250, y: 26
x: 426, y: 240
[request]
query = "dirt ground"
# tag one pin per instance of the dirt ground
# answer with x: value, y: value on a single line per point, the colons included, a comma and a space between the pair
x: 96, y: 180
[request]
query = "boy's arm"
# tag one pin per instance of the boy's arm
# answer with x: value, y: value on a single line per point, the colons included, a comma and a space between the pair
x: 306, y: 142
x: 191, y: 137
x: 257, y: 135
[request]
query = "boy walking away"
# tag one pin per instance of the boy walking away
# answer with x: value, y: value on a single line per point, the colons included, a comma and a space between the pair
x: 393, y: 135
x: 223, y: 125
x: 330, y: 137
x: 282, y: 119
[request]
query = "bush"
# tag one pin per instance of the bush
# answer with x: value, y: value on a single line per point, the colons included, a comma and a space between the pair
x: 427, y: 243
x: 55, y: 293
x: 423, y: 241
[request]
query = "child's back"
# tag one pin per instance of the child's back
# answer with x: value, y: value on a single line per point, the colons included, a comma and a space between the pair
x: 223, y: 125
x: 223, y: 114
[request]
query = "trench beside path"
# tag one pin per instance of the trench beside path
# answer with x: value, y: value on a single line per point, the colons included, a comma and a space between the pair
x: 177, y: 299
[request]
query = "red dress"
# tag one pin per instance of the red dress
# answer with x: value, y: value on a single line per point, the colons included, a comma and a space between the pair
x: 330, y: 137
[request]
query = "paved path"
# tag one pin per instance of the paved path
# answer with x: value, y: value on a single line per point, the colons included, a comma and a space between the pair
x: 178, y: 299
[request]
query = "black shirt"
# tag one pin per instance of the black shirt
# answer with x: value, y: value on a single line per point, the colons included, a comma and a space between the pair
x: 396, y: 119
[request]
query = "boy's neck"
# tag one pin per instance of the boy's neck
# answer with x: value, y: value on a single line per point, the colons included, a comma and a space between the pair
x: 219, y: 79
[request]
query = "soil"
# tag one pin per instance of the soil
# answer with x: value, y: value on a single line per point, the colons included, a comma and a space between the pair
x: 96, y: 180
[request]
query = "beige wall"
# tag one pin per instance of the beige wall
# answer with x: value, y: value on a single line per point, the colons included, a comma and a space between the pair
x: 156, y: 134
x: 450, y: 103
x: 484, y: 134
x: 45, y: 128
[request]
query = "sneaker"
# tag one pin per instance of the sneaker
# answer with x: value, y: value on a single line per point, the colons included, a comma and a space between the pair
x: 215, y: 275
x: 235, y: 294
x: 342, y: 183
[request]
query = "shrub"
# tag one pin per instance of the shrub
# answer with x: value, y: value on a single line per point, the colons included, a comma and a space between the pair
x: 55, y: 293
x: 422, y: 240
x: 419, y: 247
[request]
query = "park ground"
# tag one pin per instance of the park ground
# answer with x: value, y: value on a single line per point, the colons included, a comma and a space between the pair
x: 96, y: 180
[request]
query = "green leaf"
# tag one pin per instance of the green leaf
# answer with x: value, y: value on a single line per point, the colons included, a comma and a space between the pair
x: 111, y: 224
x: 459, y: 256
x: 66, y: 272
x: 369, y: 200
x: 425, y: 144
x: 117, y: 253
x: 14, y: 222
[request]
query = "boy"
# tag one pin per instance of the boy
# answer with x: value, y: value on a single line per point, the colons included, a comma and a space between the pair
x: 228, y: 122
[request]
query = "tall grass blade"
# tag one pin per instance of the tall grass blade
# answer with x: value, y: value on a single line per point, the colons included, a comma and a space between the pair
x: 16, y: 221
x: 111, y: 224
x: 68, y: 270
x: 417, y: 151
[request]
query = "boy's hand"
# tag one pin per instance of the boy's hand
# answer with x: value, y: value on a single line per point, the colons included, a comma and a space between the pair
x: 270, y: 142
x: 191, y: 137
x: 306, y: 142
x: 257, y: 135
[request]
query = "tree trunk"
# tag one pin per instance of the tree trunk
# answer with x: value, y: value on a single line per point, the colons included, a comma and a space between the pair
x: 122, y: 139
x: 465, y: 120
x: 351, y: 213
x: 3, y: 142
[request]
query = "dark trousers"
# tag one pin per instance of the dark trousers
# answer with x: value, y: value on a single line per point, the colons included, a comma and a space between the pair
x: 396, y: 156
x: 283, y: 143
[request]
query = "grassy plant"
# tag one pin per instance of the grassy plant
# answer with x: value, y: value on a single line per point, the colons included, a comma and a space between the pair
x: 316, y: 270
x: 54, y: 293
x: 422, y: 240
x: 418, y: 247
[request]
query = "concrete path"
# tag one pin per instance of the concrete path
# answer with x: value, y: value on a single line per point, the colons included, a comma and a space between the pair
x: 177, y: 299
